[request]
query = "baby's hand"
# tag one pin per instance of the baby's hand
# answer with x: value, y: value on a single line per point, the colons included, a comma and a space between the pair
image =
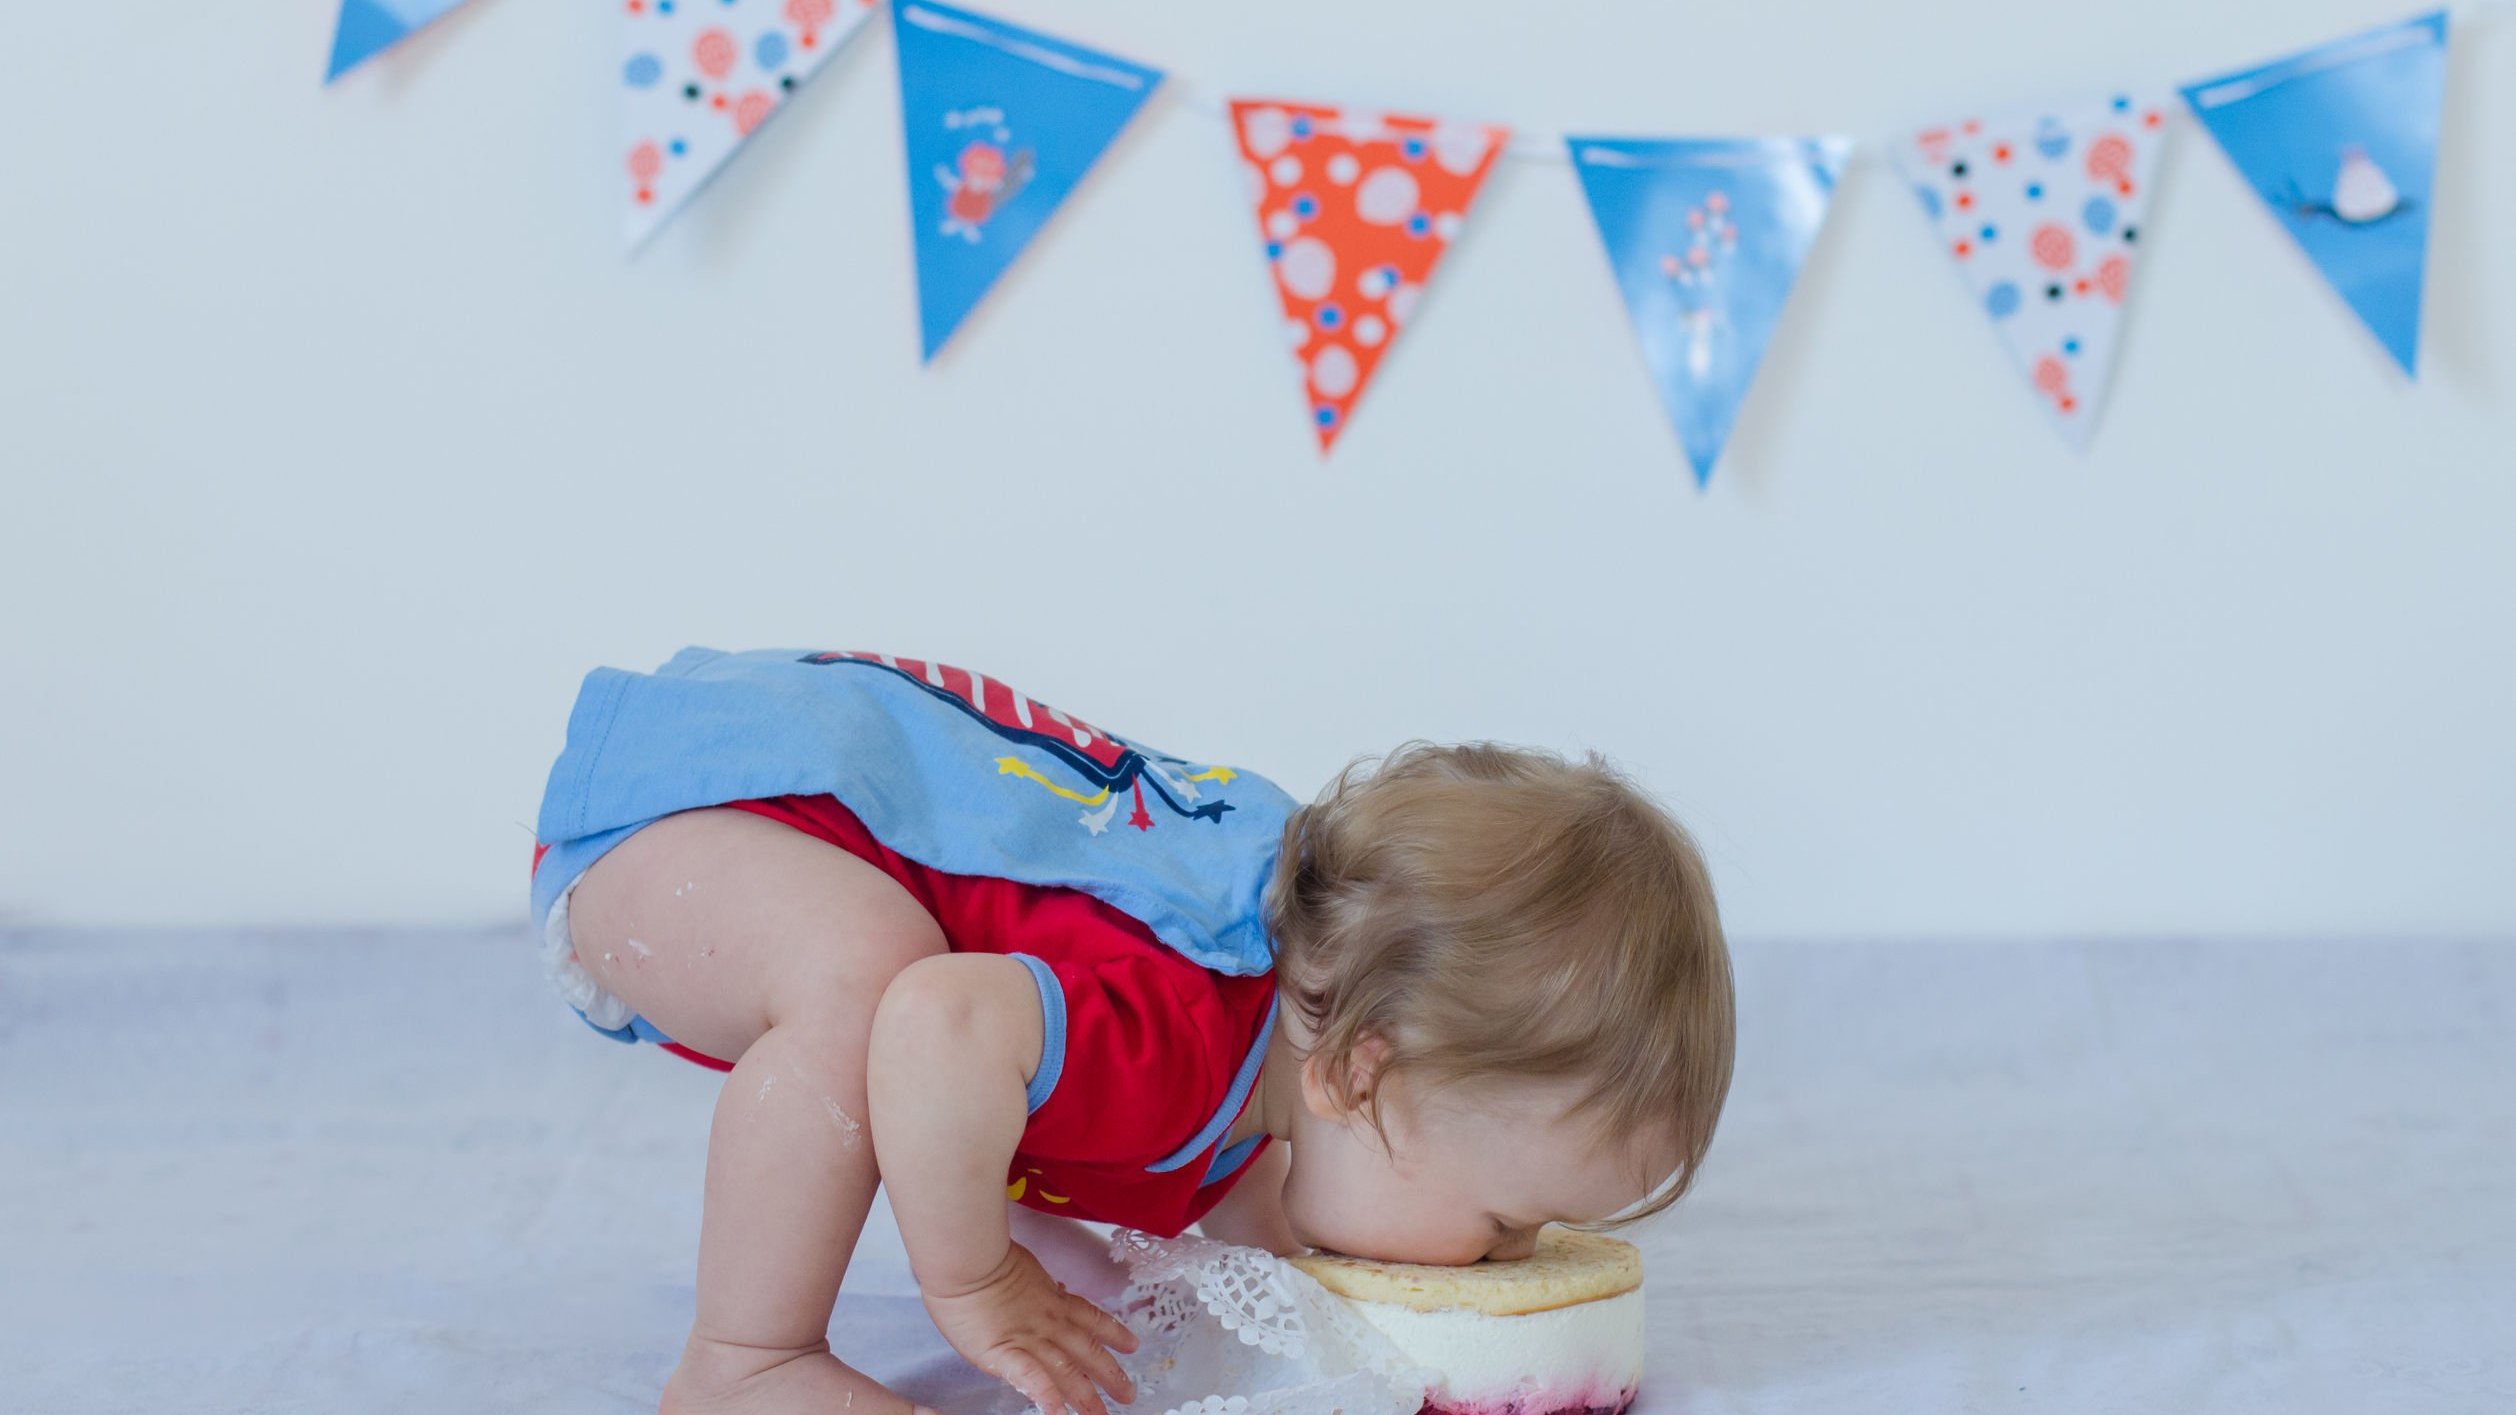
x: 1023, y: 1327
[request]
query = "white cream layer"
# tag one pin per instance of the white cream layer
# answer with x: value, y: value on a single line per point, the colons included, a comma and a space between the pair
x: 1589, y: 1349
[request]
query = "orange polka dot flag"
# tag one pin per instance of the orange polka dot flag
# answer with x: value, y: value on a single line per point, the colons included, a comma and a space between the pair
x: 2043, y: 212
x: 1356, y: 210
x: 698, y: 78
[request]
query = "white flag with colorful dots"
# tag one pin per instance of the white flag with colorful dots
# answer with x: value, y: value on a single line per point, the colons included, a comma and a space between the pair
x: 699, y: 77
x: 2043, y: 212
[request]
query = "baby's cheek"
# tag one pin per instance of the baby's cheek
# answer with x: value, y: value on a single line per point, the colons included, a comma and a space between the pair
x: 1352, y: 1198
x: 1398, y: 1219
x: 1335, y: 1208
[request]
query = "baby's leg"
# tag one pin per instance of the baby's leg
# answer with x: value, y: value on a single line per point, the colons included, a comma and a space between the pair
x: 759, y: 944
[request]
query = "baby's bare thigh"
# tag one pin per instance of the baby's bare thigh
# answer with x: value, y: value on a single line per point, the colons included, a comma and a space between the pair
x: 718, y: 924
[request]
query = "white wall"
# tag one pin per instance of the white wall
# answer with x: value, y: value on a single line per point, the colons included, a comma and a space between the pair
x: 340, y: 440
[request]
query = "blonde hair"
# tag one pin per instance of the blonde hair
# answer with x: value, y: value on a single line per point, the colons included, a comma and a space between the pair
x: 1489, y: 911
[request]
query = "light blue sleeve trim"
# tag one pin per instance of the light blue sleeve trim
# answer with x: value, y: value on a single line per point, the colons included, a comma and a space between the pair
x: 1052, y: 1033
x: 1229, y: 1159
x: 1231, y: 1108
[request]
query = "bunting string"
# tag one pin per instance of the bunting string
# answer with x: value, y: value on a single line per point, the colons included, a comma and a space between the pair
x: 1548, y: 149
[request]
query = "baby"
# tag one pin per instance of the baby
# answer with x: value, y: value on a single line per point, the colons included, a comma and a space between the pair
x: 950, y: 940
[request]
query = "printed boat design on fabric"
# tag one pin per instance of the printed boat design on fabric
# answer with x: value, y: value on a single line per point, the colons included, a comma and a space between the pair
x: 1104, y: 761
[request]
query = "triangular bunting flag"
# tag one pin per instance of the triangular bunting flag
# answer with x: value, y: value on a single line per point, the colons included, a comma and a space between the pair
x: 2341, y: 143
x: 2042, y: 210
x: 1001, y: 124
x: 367, y: 28
x: 1355, y: 209
x: 1705, y: 237
x: 699, y: 77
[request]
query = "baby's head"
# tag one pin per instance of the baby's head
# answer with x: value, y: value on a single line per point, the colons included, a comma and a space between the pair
x: 1505, y: 977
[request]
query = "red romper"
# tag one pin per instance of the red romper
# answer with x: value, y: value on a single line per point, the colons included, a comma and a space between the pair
x: 1147, y: 1058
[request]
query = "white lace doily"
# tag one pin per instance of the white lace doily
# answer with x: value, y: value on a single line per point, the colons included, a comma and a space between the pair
x: 1239, y: 1331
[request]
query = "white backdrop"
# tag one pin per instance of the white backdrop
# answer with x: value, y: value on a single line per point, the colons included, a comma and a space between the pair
x: 341, y: 439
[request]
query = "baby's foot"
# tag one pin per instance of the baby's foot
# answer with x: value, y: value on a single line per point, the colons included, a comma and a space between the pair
x: 719, y: 1379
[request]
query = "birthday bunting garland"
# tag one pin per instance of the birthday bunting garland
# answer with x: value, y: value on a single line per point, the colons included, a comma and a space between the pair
x: 2043, y: 210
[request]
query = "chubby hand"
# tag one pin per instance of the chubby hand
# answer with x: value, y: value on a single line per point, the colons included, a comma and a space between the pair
x: 1023, y: 1327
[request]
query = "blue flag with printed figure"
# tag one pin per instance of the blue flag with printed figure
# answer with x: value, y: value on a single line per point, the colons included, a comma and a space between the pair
x: 2341, y: 143
x: 370, y: 27
x: 1705, y: 237
x: 1001, y: 123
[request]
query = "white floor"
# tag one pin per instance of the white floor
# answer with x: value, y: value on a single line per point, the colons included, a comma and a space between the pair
x: 389, y: 1172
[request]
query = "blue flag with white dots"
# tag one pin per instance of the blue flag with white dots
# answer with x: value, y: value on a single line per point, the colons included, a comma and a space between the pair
x: 1001, y: 123
x: 369, y: 27
x: 699, y: 77
x: 1706, y: 237
x: 2042, y: 211
x: 2341, y: 143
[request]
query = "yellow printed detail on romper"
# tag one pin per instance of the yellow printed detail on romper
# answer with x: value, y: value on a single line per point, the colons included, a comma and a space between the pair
x: 1014, y: 766
x: 1014, y: 1191
x: 1221, y: 775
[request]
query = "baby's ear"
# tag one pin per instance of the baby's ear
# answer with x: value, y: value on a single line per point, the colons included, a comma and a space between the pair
x: 1341, y: 1098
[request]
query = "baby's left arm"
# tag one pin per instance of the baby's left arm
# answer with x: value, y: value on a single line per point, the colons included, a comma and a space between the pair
x: 955, y: 1040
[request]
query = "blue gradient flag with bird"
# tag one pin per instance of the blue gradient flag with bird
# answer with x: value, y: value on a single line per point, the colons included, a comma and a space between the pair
x: 2341, y: 143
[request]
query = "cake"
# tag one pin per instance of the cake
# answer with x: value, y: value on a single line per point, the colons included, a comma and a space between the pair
x: 1555, y: 1333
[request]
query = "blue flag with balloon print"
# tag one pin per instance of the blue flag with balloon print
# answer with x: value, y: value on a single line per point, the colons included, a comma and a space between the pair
x: 369, y: 27
x: 1705, y: 237
x: 2042, y: 210
x: 2341, y: 144
x: 699, y: 77
x: 1001, y: 123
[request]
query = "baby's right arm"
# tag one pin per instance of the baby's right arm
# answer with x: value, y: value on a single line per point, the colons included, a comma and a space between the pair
x: 954, y: 1043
